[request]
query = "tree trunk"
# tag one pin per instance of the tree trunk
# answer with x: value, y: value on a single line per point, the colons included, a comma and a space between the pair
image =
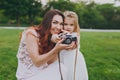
x: 18, y: 21
x: 31, y: 19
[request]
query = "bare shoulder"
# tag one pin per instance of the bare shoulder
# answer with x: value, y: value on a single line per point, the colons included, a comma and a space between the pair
x: 32, y: 31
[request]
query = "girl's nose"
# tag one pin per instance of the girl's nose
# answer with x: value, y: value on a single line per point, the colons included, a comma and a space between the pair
x: 68, y: 26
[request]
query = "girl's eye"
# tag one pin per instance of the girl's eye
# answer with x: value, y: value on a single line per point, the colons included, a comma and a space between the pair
x: 71, y: 25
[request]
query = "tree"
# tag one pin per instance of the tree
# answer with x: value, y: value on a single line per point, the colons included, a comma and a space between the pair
x: 108, y: 11
x: 89, y: 16
x: 34, y: 8
x: 61, y: 5
x: 16, y: 9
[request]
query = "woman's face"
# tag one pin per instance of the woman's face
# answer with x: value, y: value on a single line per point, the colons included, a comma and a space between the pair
x: 57, y: 24
x: 69, y: 24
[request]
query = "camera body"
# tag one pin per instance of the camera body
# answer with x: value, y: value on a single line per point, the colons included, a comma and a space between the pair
x: 68, y: 38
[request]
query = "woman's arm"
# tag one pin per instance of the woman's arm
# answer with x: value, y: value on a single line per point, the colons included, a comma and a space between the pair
x: 32, y: 48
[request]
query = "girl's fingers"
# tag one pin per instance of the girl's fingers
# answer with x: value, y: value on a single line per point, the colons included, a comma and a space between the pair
x: 71, y: 46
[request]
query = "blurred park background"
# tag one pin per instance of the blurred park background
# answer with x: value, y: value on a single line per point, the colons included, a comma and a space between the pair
x: 100, y: 49
x: 30, y: 12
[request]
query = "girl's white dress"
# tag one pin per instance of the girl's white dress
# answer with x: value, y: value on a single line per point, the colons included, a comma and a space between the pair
x: 67, y: 57
x: 26, y: 70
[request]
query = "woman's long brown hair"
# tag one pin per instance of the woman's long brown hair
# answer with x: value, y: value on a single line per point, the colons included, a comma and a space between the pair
x: 44, y: 31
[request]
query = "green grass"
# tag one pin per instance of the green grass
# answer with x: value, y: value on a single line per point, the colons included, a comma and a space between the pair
x: 9, y: 40
x: 102, y: 54
x: 101, y: 51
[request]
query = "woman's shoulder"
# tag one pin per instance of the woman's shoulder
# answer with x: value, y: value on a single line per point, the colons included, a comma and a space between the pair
x: 31, y: 31
x: 31, y: 28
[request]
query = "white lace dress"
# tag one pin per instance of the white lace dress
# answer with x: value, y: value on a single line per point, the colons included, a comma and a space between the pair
x: 26, y: 70
x: 68, y: 59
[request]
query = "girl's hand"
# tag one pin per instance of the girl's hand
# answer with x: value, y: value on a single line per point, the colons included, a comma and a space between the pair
x: 72, y: 46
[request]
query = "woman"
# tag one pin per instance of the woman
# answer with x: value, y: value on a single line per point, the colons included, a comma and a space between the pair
x: 37, y: 55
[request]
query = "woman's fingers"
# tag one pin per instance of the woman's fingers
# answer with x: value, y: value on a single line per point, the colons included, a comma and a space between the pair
x: 55, y: 38
x: 62, y: 46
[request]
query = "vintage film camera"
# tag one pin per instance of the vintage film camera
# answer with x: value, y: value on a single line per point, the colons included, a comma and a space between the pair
x: 68, y: 37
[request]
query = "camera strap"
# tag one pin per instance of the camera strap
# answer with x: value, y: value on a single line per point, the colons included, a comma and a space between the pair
x: 74, y: 77
x: 60, y: 67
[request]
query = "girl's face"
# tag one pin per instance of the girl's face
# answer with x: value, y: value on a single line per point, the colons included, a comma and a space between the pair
x: 69, y: 24
x: 57, y: 24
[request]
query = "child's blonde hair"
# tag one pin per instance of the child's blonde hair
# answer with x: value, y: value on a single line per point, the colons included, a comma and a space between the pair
x: 71, y: 14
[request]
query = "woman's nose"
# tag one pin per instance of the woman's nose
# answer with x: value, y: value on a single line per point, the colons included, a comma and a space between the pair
x: 59, y: 26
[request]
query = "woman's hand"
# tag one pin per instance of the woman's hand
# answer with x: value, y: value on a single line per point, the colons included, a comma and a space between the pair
x: 55, y: 38
x: 60, y: 46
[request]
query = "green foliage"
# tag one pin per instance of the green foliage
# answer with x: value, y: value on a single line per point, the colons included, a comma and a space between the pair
x: 3, y: 18
x: 62, y: 5
x: 91, y: 15
x: 33, y: 9
x: 16, y: 9
x: 111, y: 15
x: 106, y: 9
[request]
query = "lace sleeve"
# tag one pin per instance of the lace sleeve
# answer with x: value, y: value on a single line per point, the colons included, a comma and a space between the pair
x: 22, y: 54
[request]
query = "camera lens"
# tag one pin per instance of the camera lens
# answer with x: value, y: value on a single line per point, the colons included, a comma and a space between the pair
x: 67, y: 41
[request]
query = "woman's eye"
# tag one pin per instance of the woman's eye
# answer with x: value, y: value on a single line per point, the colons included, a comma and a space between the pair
x: 55, y: 22
x: 62, y: 24
x: 65, y: 24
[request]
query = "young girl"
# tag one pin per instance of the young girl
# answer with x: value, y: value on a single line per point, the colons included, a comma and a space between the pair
x: 73, y: 59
